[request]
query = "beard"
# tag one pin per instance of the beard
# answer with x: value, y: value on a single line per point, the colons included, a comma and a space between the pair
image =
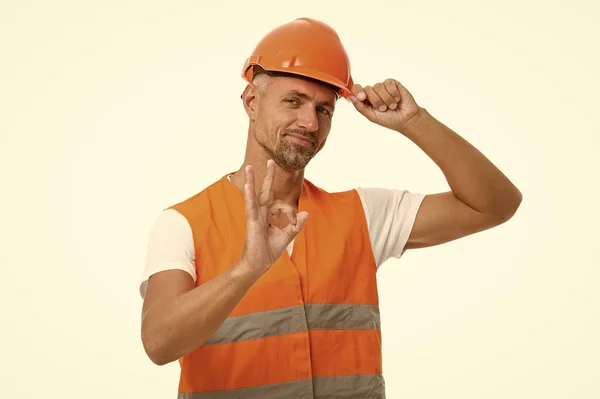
x: 287, y: 155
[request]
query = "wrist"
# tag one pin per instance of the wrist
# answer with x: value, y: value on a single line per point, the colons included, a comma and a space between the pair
x: 416, y: 124
x: 246, y: 272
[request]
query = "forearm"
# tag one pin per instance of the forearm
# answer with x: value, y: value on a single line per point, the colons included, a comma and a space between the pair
x: 177, y: 327
x: 471, y: 176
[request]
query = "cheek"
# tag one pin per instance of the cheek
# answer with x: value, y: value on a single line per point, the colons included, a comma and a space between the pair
x: 274, y: 123
x: 266, y: 124
x: 324, y: 127
x: 321, y: 144
x: 283, y: 121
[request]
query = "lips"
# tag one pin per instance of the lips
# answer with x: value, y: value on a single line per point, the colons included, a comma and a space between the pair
x: 302, y: 139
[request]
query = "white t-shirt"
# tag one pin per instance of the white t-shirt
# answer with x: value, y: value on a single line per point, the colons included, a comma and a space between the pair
x: 390, y: 216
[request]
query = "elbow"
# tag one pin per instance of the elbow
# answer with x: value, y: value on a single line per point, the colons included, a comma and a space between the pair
x: 154, y: 352
x: 155, y: 349
x: 514, y: 203
x: 510, y: 205
x: 157, y: 359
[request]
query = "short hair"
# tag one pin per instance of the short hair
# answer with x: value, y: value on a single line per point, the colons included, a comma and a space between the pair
x: 261, y: 80
x: 258, y: 71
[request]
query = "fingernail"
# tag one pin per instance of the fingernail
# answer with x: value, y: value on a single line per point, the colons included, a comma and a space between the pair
x: 393, y: 106
x: 361, y: 96
x: 382, y: 108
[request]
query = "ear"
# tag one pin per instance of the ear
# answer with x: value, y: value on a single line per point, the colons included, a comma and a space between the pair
x: 249, y: 98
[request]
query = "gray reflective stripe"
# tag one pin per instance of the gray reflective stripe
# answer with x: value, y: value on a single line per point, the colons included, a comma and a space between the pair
x: 343, y: 317
x: 370, y: 386
x: 260, y: 325
x: 346, y: 387
x: 296, y: 319
x: 301, y: 389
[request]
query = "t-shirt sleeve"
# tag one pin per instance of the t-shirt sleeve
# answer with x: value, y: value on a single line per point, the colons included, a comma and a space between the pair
x: 390, y: 218
x: 170, y: 246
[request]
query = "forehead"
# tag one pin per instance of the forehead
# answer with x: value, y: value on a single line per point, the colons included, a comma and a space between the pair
x: 314, y: 90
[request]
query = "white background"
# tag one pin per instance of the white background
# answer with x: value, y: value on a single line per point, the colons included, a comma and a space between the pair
x: 111, y: 111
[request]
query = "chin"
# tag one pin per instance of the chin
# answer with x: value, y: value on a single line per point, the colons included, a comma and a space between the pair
x: 292, y: 165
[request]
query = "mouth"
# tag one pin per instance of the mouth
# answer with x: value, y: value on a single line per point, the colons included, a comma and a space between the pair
x: 301, y: 140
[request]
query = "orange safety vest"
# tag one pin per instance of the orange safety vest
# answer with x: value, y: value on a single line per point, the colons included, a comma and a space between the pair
x: 310, y: 326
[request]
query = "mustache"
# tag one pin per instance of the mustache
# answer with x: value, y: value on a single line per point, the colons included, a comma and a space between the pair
x: 304, y: 133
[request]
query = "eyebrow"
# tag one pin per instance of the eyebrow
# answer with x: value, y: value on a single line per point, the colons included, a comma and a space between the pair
x: 307, y: 97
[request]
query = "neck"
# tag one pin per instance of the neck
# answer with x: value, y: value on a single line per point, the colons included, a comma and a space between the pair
x: 287, y: 186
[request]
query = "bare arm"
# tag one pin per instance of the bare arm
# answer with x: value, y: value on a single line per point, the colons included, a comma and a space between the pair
x: 178, y: 318
x: 481, y: 196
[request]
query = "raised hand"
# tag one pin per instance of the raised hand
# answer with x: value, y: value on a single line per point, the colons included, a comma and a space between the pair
x: 388, y: 104
x: 265, y: 242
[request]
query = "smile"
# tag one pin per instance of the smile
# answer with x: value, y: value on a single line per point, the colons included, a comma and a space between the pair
x: 302, y: 140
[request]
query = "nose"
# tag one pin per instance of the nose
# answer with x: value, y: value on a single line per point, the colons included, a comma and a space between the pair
x: 308, y: 119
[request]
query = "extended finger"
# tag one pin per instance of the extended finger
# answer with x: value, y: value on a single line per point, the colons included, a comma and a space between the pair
x: 385, y: 96
x: 266, y: 192
x: 250, y: 195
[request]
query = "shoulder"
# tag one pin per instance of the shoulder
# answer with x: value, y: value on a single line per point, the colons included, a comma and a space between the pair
x: 380, y: 201
x: 198, y: 208
x: 335, y: 198
x: 388, y: 197
x: 171, y: 241
x: 387, y: 208
x: 390, y: 215
x: 170, y: 246
x: 169, y: 222
x: 191, y: 203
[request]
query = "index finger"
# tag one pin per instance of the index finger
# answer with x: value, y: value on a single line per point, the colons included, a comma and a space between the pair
x: 358, y: 92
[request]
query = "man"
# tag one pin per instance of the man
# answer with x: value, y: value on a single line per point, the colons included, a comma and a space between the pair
x: 263, y: 285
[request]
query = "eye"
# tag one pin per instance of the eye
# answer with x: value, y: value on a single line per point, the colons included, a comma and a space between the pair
x: 323, y: 110
x: 291, y: 101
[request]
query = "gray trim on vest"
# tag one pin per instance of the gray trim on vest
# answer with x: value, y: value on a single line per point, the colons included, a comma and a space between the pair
x: 301, y: 389
x: 345, y: 387
x: 370, y: 386
x: 296, y: 319
x: 343, y: 317
x: 265, y: 324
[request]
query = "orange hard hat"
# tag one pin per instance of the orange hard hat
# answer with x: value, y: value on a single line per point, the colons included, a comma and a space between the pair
x: 305, y: 47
